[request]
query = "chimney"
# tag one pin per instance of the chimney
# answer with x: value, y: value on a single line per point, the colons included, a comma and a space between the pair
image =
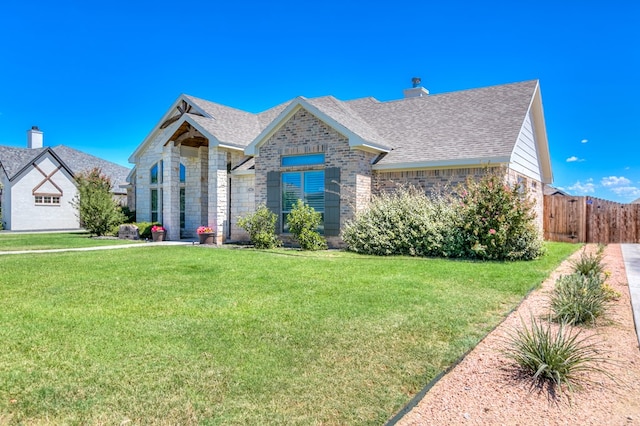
x: 416, y: 91
x: 34, y: 138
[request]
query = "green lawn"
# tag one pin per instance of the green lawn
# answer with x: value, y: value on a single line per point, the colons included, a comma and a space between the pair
x: 52, y: 240
x: 193, y: 335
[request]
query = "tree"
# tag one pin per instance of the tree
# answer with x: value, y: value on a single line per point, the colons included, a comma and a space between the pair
x: 97, y: 210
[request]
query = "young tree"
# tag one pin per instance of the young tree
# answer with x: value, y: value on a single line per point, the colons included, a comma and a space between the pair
x: 97, y: 210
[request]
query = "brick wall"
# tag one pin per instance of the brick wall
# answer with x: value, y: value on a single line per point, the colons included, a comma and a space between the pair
x: 303, y: 133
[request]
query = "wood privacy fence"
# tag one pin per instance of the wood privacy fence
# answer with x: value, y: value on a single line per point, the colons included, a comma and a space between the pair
x: 590, y: 220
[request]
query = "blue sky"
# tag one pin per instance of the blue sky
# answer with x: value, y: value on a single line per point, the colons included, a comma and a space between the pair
x: 98, y: 76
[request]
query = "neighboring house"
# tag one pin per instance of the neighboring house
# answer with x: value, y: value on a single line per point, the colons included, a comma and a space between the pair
x: 38, y: 184
x: 552, y: 190
x: 208, y: 164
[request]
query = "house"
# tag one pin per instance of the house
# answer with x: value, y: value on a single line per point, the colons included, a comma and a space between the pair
x: 37, y: 184
x: 208, y: 164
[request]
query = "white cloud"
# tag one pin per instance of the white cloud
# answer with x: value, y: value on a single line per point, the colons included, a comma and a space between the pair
x: 583, y: 188
x: 584, y: 141
x: 627, y: 191
x: 615, y: 181
x: 574, y: 159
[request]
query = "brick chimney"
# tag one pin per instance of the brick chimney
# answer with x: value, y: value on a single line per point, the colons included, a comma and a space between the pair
x: 34, y: 138
x: 417, y: 91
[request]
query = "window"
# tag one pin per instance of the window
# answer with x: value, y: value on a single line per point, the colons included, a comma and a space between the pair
x: 307, y: 186
x: 182, y: 208
x: 183, y: 203
x: 155, y: 204
x: 156, y: 173
x: 183, y: 173
x: 47, y: 200
x: 302, y: 160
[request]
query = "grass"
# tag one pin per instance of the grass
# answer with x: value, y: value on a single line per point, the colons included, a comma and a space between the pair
x: 190, y: 335
x: 52, y: 240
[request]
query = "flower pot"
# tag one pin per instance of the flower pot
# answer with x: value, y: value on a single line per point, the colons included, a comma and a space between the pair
x: 157, y: 236
x: 207, y: 237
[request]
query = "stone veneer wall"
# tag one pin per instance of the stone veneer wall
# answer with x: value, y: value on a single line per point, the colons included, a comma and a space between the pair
x: 304, y: 133
x: 433, y: 181
x: 242, y: 203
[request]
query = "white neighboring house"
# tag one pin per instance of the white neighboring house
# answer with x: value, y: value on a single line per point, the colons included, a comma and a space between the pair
x: 38, y: 184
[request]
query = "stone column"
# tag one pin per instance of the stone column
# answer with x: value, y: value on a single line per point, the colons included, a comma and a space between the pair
x: 171, y: 191
x: 218, y: 189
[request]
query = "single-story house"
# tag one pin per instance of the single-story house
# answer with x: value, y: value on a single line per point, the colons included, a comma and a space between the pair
x: 37, y: 184
x: 208, y: 164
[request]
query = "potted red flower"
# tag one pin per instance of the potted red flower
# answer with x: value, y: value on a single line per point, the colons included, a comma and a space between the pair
x: 157, y: 233
x: 206, y: 234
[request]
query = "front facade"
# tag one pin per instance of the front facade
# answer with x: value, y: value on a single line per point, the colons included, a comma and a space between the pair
x: 38, y: 185
x: 207, y: 164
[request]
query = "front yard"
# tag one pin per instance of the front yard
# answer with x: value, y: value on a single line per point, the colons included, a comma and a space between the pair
x: 16, y: 241
x: 186, y: 335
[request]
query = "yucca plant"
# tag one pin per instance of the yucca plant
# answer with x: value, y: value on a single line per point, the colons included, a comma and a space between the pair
x: 578, y: 299
x: 589, y: 263
x: 559, y: 358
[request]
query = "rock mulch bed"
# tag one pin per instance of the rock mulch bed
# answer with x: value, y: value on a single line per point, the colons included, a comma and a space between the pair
x: 484, y: 388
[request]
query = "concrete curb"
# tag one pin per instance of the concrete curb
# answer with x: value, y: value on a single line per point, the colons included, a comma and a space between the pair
x: 631, y: 256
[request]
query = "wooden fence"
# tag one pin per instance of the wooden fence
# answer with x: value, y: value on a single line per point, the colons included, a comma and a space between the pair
x: 590, y: 220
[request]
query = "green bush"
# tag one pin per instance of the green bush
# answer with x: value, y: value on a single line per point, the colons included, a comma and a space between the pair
x: 578, y: 299
x: 303, y: 224
x: 97, y: 210
x: 261, y: 227
x: 558, y: 358
x: 405, y: 222
x: 496, y: 221
x: 144, y: 229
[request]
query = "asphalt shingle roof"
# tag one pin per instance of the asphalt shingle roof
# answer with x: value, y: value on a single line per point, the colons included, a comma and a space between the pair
x: 469, y: 124
x: 14, y: 160
x: 478, y: 123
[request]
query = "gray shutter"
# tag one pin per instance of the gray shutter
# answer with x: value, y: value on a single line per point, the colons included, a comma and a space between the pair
x: 332, y: 202
x: 273, y: 196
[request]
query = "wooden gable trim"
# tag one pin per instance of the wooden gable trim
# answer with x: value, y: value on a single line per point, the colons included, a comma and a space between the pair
x: 47, y: 178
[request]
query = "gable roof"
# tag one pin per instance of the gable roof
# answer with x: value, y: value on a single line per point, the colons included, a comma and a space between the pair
x: 470, y: 124
x: 222, y: 125
x: 468, y: 127
x: 14, y: 160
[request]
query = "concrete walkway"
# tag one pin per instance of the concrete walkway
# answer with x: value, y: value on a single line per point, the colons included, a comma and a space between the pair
x: 631, y: 255
x: 119, y: 246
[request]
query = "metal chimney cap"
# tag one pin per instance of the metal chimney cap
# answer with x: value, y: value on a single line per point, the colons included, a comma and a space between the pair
x: 416, y: 81
x: 34, y: 128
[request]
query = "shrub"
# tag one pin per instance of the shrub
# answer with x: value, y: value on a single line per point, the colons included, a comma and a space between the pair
x: 589, y: 263
x: 405, y: 222
x: 303, y: 224
x: 144, y: 229
x: 496, y: 221
x: 578, y: 299
x: 558, y: 358
x: 130, y: 215
x: 97, y: 210
x: 261, y: 227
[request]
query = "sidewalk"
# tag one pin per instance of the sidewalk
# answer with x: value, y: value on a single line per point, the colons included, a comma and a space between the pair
x: 119, y: 246
x: 631, y: 255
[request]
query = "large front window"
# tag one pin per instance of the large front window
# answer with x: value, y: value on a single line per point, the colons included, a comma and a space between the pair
x: 307, y: 186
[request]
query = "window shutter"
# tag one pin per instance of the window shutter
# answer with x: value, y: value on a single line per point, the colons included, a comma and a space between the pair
x: 332, y: 202
x: 273, y: 196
